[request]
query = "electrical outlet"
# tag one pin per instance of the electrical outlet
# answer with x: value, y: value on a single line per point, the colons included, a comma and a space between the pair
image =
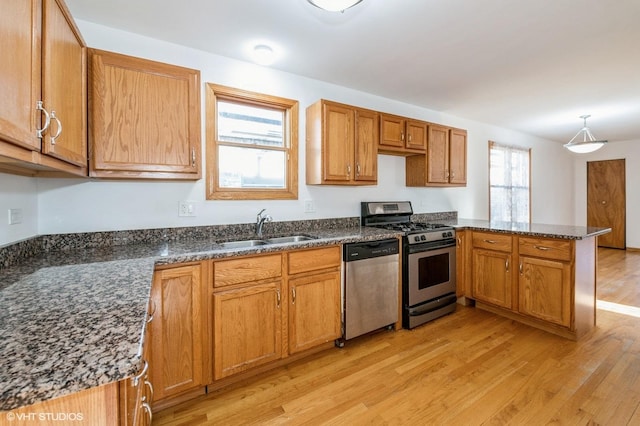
x: 309, y: 206
x: 187, y: 209
x: 15, y: 216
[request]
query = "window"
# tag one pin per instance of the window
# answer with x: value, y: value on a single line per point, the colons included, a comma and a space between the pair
x: 252, y: 145
x: 509, y: 183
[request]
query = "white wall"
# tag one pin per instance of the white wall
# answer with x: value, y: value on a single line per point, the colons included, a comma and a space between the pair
x: 83, y: 205
x: 630, y: 152
x: 18, y: 192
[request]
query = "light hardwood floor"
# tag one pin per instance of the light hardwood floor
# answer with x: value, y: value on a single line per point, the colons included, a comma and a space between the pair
x: 471, y: 367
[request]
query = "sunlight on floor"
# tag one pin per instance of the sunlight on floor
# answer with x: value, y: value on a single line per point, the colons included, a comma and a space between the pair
x: 618, y: 308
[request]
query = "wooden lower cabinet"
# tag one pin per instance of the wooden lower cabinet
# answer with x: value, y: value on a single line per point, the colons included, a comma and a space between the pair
x: 283, y: 311
x: 492, y: 277
x: 314, y: 310
x: 544, y: 290
x: 247, y: 327
x: 179, y: 332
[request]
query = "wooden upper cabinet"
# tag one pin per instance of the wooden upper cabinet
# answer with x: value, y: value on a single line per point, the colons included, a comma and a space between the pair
x: 43, y: 111
x: 402, y: 136
x: 445, y: 162
x: 144, y: 118
x: 341, y: 145
x: 64, y: 86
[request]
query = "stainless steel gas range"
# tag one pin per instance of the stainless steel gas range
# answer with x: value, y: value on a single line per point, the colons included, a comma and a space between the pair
x: 428, y: 261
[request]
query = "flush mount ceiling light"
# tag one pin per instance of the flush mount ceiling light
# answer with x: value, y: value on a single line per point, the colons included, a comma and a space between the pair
x: 334, y: 5
x: 588, y: 143
x: 263, y: 54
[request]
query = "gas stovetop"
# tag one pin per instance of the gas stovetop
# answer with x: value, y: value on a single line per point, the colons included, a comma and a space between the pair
x: 396, y: 216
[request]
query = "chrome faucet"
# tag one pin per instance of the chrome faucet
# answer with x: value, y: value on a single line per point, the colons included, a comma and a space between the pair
x: 260, y: 220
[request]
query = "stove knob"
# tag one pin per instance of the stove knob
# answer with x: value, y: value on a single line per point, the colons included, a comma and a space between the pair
x: 450, y: 234
x: 416, y: 238
x: 422, y: 237
x: 444, y: 235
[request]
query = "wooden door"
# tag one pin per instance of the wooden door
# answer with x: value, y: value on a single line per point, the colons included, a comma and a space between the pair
x: 145, y: 118
x: 416, y: 135
x: 64, y: 89
x: 606, y: 200
x: 178, y: 331
x: 20, y: 23
x: 545, y: 290
x: 247, y: 327
x: 392, y: 131
x: 314, y: 310
x: 338, y: 141
x: 367, y: 134
x: 438, y: 154
x: 458, y: 156
x: 492, y: 278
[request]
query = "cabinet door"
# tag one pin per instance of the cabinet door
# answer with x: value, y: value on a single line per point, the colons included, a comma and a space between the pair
x: 247, y: 327
x: 492, y: 278
x: 392, y: 131
x: 178, y: 332
x: 314, y: 310
x: 545, y: 290
x: 145, y: 118
x: 20, y: 71
x: 417, y: 135
x: 438, y: 154
x: 338, y: 143
x: 64, y: 90
x: 458, y: 156
x: 366, y: 145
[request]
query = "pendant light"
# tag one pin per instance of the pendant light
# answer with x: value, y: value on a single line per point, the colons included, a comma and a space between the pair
x: 588, y: 143
x: 334, y: 5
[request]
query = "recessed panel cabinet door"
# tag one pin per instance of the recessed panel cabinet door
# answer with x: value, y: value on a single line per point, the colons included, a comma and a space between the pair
x: 20, y: 71
x: 545, y: 290
x: 458, y: 156
x: 338, y: 143
x: 314, y: 310
x: 492, y: 277
x: 246, y: 327
x: 438, y: 154
x: 366, y: 146
x: 177, y: 335
x: 144, y: 118
x: 64, y: 89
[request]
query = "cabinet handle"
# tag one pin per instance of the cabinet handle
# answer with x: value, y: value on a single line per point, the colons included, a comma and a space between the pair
x: 358, y: 169
x: 348, y: 169
x: 543, y: 248
x: 489, y: 241
x: 459, y: 242
x: 193, y: 157
x: 410, y: 138
x: 153, y: 311
x: 521, y: 268
x: 148, y: 384
x: 278, y: 298
x: 141, y: 374
x: 453, y: 175
x: 506, y: 265
x: 54, y: 137
x: 47, y: 119
x: 402, y: 136
x: 147, y: 409
x: 293, y: 295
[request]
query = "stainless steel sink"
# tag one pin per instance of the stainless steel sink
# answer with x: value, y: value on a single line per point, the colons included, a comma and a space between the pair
x: 243, y: 243
x: 290, y: 239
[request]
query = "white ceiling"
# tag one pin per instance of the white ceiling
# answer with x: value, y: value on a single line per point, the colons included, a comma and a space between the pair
x: 533, y: 66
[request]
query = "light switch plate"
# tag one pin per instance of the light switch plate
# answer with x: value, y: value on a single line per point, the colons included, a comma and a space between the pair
x: 309, y: 206
x: 187, y: 209
x: 15, y: 216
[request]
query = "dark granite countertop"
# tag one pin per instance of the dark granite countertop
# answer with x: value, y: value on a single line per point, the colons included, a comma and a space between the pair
x: 73, y: 319
x: 530, y: 229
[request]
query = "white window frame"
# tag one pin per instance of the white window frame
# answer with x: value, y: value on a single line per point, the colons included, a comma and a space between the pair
x: 513, y: 154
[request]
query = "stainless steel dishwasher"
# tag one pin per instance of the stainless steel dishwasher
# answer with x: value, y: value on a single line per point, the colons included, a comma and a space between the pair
x: 371, y: 275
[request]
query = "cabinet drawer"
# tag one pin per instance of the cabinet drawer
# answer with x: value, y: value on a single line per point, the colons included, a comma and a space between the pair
x: 315, y: 259
x: 546, y: 248
x: 246, y: 269
x: 492, y: 241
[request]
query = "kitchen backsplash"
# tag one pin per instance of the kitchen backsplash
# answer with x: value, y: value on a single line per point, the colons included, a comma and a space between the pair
x: 17, y: 252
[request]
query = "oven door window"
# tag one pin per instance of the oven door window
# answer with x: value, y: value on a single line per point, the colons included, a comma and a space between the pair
x: 433, y: 270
